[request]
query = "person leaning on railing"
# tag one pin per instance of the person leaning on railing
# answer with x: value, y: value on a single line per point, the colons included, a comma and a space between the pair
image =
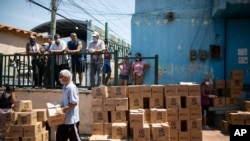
x: 34, y: 49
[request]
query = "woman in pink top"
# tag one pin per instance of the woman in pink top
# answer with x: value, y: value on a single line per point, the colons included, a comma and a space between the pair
x: 138, y: 69
x: 125, y: 68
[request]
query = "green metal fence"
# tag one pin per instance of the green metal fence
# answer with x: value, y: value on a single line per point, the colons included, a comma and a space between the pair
x: 17, y: 69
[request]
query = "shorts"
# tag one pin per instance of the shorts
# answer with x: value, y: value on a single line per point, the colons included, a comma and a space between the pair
x: 106, y: 67
x: 124, y: 77
x: 77, y: 66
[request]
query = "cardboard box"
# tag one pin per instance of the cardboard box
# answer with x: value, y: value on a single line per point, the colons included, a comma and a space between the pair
x: 99, y: 92
x: 45, y: 136
x: 145, y: 91
x: 174, y: 125
x: 227, y: 116
x: 157, y: 91
x: 134, y: 91
x: 32, y: 130
x: 55, y: 114
x: 196, y: 135
x: 170, y: 90
x: 224, y: 126
x: 158, y: 115
x: 220, y: 84
x: 26, y: 118
x: 121, y: 104
x: 141, y: 134
x: 195, y: 124
x: 99, y: 138
x: 237, y: 74
x: 237, y: 119
x: 184, y: 113
x: 119, y: 131
x: 7, y: 118
x: 118, y: 116
x: 234, y: 83
x: 160, y: 131
x: 231, y: 101
x: 194, y: 90
x: 41, y: 114
x: 235, y: 93
x: 174, y: 135
x: 246, y: 105
x: 195, y: 113
x: 182, y: 90
x: 22, y: 105
x: 218, y: 102
x: 11, y: 138
x: 184, y: 136
x: 100, y: 116
x: 118, y: 92
x: 173, y: 102
x: 172, y: 114
x: 136, y: 118
x: 96, y: 104
x: 37, y: 138
x: 147, y: 115
x: 135, y: 103
x: 247, y: 118
x: 97, y: 129
x: 109, y: 104
x: 107, y: 127
x: 156, y: 102
x: 16, y: 130
x: 193, y: 101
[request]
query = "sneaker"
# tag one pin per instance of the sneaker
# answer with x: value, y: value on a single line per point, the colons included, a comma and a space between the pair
x: 206, y: 127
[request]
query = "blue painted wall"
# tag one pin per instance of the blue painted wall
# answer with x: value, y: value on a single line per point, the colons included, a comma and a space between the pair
x: 194, y: 27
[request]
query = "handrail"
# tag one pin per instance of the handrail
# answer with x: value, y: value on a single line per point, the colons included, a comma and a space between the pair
x: 17, y: 69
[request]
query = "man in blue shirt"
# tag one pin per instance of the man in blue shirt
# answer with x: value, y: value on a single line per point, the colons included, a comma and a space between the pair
x: 74, y: 47
x: 70, y: 105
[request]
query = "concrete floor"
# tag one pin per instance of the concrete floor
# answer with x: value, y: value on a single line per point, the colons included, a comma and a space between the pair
x: 207, y: 135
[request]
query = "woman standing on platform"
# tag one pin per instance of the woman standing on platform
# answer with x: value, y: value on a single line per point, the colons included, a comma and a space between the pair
x: 205, y: 102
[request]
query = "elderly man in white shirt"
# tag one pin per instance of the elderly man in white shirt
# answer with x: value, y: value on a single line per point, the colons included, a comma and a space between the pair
x: 57, y: 48
x: 96, y: 48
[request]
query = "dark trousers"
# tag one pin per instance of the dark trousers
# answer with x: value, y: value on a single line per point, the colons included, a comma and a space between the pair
x: 68, y: 131
x: 37, y: 69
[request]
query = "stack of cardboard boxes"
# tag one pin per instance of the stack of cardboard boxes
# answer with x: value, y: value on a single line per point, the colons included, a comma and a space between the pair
x: 229, y: 91
x: 110, y: 107
x: 24, y: 123
x: 236, y: 117
x: 147, y: 112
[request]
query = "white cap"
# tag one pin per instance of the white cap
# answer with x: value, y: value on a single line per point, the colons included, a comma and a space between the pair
x: 95, y: 34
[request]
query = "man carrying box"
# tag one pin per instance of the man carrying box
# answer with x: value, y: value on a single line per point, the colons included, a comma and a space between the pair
x: 70, y: 100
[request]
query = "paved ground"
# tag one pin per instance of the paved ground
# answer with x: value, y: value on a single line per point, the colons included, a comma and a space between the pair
x: 207, y: 135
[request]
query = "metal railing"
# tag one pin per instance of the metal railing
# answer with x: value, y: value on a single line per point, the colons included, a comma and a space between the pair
x: 18, y: 70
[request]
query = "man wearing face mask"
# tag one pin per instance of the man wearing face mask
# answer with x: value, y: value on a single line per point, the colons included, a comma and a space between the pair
x: 6, y: 99
x: 57, y: 48
x: 96, y: 48
x: 205, y: 102
x: 34, y: 49
x: 70, y: 105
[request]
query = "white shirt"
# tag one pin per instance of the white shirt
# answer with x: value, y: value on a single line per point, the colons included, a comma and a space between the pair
x: 60, y: 59
x: 98, y: 45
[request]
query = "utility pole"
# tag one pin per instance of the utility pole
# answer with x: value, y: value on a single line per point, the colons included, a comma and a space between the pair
x: 53, y: 17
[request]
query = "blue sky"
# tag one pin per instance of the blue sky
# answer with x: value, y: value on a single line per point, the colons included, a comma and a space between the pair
x: 26, y: 15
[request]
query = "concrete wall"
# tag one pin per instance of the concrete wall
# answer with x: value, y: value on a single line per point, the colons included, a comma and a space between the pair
x: 192, y: 28
x: 40, y: 97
